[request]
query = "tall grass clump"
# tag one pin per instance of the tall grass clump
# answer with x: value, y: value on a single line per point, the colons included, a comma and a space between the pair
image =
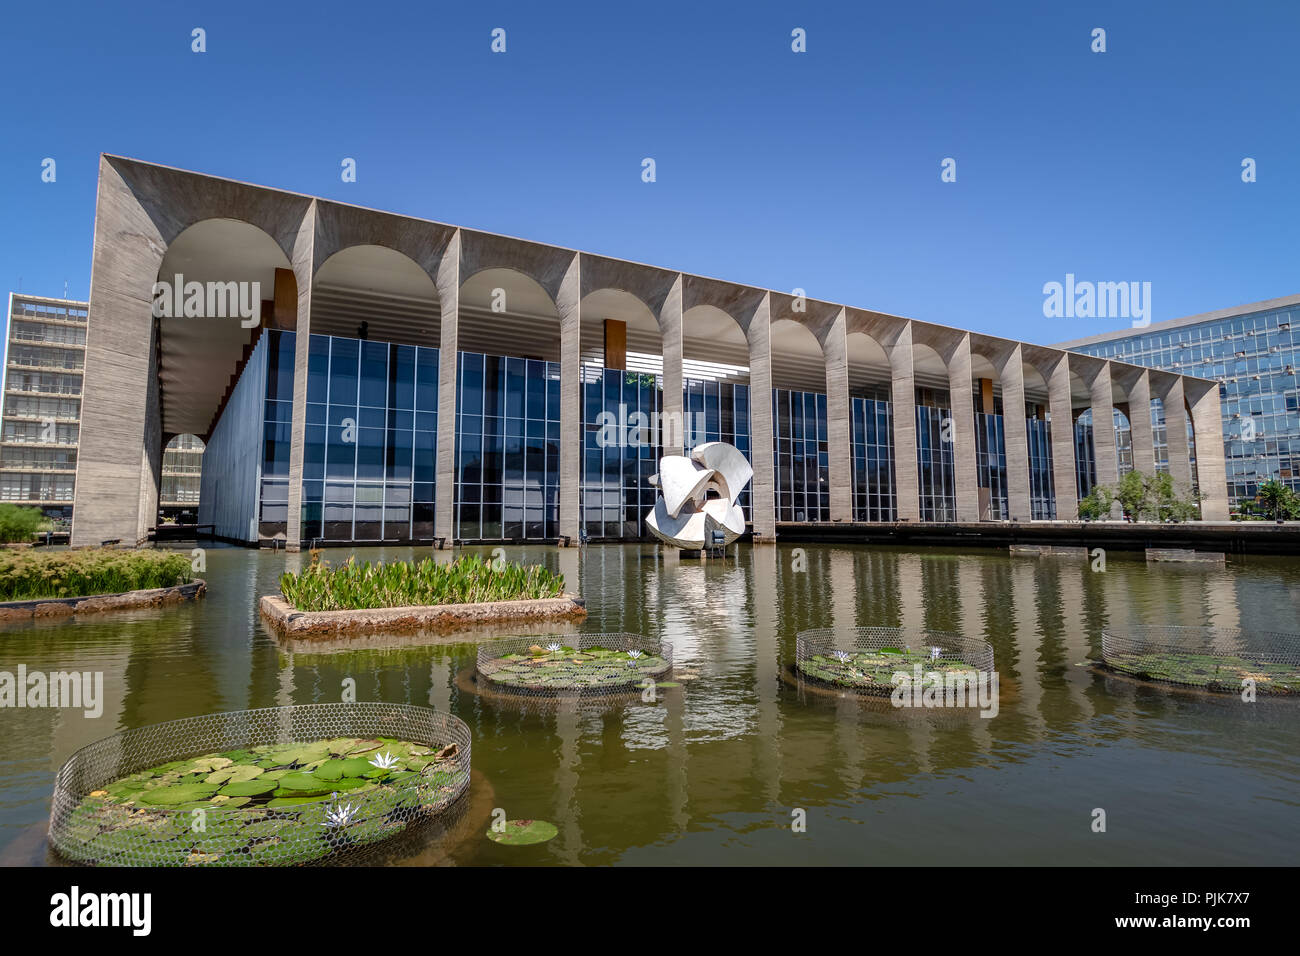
x: 466, y: 580
x: 18, y: 524
x: 27, y: 575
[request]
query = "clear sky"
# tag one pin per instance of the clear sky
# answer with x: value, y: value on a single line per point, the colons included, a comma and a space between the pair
x: 817, y: 170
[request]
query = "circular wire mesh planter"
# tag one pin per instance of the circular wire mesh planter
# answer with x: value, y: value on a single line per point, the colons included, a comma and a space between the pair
x: 278, y: 786
x: 574, y: 665
x: 1209, y: 658
x: 865, y: 659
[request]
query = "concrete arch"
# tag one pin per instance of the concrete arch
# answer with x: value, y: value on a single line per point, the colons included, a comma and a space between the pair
x: 798, y: 357
x: 500, y: 304
x: 387, y: 290
x: 200, y: 356
x: 714, y: 345
x: 869, y: 365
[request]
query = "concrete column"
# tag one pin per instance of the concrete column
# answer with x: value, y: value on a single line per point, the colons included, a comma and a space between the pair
x: 670, y: 328
x: 1017, y: 437
x: 1060, y: 407
x: 1139, y: 419
x: 838, y: 419
x: 127, y: 254
x: 1180, y: 466
x: 569, y: 304
x: 761, y: 427
x: 304, y: 270
x: 1207, y: 422
x: 151, y: 450
x: 902, y: 399
x: 1103, y: 427
x: 448, y: 282
x: 963, y: 432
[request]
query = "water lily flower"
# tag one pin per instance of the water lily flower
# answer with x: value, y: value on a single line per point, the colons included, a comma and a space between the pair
x: 842, y: 656
x: 339, y: 815
x: 384, y: 761
x: 635, y: 654
x: 553, y: 647
x: 934, y: 653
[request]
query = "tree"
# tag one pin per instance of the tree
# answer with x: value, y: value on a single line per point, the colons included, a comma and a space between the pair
x: 1134, y: 495
x: 1096, y: 504
x: 19, y: 524
x: 1277, y: 499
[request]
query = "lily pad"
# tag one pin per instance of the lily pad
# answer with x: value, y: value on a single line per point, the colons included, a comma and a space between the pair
x: 523, y: 832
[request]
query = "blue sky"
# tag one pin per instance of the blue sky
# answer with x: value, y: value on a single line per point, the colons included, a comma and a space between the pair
x: 818, y: 170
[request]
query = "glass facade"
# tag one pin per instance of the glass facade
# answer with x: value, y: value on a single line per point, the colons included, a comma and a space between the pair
x: 1085, y: 454
x: 1042, y: 500
x: 991, y: 466
x: 371, y: 438
x: 874, y: 495
x: 507, y: 448
x: 718, y: 411
x: 1254, y: 357
x: 621, y: 449
x: 802, y: 456
x: 936, y: 472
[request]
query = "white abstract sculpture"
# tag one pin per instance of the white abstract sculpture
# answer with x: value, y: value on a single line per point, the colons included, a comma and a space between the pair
x: 697, y: 496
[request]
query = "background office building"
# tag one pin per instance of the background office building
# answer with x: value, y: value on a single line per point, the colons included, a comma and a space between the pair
x: 1253, y: 353
x: 45, y: 354
x: 408, y: 380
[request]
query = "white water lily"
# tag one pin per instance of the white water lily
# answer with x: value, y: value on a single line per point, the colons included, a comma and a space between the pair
x: 635, y: 654
x: 553, y: 647
x: 842, y: 656
x: 339, y: 815
x: 384, y: 761
x: 934, y: 653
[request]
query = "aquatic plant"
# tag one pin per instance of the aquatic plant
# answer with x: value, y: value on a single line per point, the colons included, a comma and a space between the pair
x: 339, y: 815
x: 384, y: 761
x: 466, y: 580
x: 279, y: 803
x: 27, y: 575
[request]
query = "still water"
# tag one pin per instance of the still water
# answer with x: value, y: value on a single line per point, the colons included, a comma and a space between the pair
x: 718, y: 770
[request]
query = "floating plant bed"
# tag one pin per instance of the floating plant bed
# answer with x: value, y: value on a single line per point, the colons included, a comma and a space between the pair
x: 273, y: 787
x: 865, y: 659
x: 574, y: 664
x: 412, y: 596
x: 1208, y: 658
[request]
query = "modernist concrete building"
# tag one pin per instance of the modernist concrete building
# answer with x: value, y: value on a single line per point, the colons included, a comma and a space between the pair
x: 1253, y: 352
x: 409, y: 380
x: 45, y: 353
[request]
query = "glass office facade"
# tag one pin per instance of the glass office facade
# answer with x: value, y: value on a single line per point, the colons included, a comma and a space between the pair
x: 1042, y: 499
x: 370, y: 441
x: 718, y: 411
x: 507, y: 448
x: 1085, y: 453
x: 802, y: 456
x: 621, y: 450
x: 874, y: 495
x: 936, y: 472
x: 991, y: 466
x: 1254, y: 356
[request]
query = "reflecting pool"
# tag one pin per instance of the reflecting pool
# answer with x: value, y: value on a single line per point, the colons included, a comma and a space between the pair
x: 716, y: 771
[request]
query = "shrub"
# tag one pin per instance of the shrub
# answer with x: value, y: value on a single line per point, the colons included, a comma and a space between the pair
x: 353, y: 586
x: 18, y: 523
x: 27, y: 575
